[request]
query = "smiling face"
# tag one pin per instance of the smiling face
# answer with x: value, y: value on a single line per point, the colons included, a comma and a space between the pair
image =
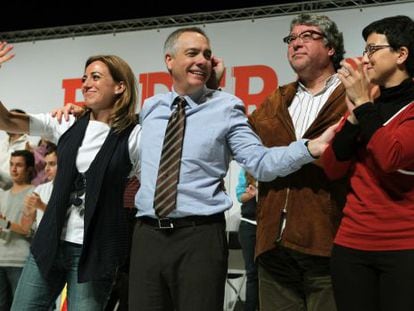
x: 309, y: 55
x: 99, y: 88
x: 384, y: 65
x: 190, y: 64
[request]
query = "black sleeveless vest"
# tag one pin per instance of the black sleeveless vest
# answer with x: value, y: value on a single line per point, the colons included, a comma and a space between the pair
x: 105, y: 244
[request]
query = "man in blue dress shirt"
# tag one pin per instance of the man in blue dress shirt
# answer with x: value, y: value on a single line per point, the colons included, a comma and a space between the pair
x: 180, y: 262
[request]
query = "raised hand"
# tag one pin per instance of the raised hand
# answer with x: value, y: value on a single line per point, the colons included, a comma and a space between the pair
x: 31, y: 202
x: 5, y: 53
x: 355, y: 80
x: 217, y: 73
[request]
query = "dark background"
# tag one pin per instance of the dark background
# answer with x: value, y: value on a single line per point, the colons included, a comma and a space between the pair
x: 30, y: 14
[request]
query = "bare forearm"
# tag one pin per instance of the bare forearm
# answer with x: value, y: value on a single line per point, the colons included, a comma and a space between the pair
x: 17, y: 228
x: 13, y: 122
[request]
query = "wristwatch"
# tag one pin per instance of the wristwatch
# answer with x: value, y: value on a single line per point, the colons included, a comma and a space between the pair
x: 307, y: 147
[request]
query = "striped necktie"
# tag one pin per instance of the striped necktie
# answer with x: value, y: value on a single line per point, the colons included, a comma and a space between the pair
x: 165, y: 198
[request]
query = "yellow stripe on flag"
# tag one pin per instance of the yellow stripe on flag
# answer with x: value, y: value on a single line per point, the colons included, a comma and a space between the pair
x: 63, y: 300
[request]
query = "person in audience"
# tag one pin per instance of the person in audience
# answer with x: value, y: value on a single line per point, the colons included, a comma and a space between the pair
x: 40, y: 163
x: 35, y: 204
x: 246, y: 192
x: 14, y: 239
x: 373, y: 253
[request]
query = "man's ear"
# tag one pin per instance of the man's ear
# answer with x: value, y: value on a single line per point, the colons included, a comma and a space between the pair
x: 168, y: 61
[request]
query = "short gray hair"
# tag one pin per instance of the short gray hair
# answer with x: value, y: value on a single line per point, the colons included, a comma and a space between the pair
x: 171, y: 42
x: 332, y: 37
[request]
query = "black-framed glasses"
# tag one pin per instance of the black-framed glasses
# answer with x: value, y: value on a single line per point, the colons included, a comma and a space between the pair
x: 371, y: 49
x: 305, y: 37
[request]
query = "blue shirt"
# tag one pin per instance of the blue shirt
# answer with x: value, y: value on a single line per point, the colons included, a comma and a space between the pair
x: 241, y: 185
x: 216, y: 132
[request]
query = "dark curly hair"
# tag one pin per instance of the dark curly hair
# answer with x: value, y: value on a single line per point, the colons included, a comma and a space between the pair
x: 399, y: 31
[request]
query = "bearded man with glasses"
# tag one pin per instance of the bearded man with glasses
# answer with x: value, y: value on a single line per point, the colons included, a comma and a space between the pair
x: 298, y: 215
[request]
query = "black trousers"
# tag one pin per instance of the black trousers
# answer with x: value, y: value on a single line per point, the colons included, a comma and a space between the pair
x: 181, y: 269
x: 373, y: 280
x: 247, y: 238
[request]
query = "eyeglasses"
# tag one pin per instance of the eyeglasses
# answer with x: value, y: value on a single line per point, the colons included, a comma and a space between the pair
x: 371, y: 49
x: 305, y: 37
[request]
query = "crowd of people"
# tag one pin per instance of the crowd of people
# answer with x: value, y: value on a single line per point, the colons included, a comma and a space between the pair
x: 327, y: 182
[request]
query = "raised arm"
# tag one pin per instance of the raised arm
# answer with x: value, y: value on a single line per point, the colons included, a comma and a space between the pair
x: 5, y: 53
x: 216, y: 74
x: 12, y: 122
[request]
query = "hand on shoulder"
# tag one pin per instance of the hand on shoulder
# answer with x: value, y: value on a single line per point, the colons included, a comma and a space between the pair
x: 65, y: 111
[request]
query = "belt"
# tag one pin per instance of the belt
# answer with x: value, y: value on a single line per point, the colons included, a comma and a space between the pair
x: 174, y: 223
x: 67, y: 243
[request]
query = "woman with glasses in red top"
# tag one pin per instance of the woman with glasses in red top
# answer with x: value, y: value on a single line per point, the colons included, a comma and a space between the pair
x: 373, y: 256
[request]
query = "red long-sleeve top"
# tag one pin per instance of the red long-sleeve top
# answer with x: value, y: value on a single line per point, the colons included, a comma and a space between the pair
x: 379, y: 213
